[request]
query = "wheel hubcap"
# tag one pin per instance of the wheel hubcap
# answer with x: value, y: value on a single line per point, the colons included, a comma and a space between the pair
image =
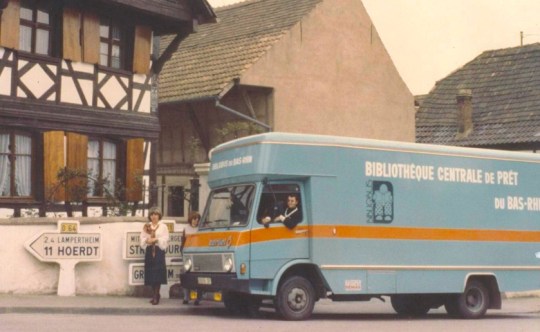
x: 474, y: 300
x: 297, y: 299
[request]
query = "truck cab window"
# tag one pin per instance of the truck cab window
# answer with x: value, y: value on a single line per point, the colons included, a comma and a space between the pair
x: 229, y: 206
x: 274, y: 201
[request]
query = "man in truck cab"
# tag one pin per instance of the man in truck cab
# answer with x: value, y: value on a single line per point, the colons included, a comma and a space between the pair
x: 291, y: 216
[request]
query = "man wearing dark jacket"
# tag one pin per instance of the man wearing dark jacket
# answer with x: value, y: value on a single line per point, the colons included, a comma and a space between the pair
x: 292, y: 215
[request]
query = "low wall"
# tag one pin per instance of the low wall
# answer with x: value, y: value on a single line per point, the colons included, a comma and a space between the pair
x: 23, y: 273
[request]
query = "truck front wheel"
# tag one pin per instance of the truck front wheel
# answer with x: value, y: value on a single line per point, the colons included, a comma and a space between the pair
x: 295, y: 299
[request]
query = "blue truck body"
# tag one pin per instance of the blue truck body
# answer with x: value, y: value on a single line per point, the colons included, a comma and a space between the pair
x: 424, y: 225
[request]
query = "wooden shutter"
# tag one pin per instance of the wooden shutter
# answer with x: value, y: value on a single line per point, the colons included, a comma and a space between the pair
x: 53, y: 152
x: 71, y: 36
x: 77, y: 160
x: 141, y: 50
x: 9, y: 25
x: 134, y: 169
x: 90, y: 42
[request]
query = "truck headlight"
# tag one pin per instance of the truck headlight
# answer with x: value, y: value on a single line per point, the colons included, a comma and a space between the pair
x: 228, y: 264
x: 188, y: 264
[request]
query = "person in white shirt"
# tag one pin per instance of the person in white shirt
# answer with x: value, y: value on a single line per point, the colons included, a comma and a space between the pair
x: 154, y: 239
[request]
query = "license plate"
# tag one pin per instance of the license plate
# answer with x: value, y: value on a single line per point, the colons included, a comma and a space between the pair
x: 204, y: 281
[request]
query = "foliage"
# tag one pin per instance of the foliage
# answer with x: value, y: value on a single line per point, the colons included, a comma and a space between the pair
x: 236, y: 129
x: 194, y: 145
x: 75, y: 183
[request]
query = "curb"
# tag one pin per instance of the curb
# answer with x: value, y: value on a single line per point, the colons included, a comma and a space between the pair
x: 90, y: 311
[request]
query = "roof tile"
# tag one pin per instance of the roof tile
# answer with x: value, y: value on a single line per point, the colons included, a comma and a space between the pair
x: 506, y: 100
x: 209, y: 60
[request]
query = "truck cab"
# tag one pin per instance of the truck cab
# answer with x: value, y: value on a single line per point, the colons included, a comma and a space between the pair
x: 239, y: 256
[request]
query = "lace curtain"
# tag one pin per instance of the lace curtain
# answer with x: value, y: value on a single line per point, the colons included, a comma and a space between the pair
x: 93, y: 166
x: 4, y: 165
x: 109, y: 166
x: 23, y: 165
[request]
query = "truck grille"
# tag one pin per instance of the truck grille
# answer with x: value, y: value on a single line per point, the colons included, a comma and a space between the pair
x: 209, y: 262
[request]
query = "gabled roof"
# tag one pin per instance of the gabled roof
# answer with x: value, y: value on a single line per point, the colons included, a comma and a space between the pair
x: 207, y: 62
x: 505, y: 88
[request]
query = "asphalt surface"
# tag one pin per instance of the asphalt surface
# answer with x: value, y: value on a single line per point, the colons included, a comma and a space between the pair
x: 129, y: 305
x: 113, y: 305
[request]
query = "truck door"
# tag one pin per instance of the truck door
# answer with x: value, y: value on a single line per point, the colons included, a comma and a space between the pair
x: 280, y: 233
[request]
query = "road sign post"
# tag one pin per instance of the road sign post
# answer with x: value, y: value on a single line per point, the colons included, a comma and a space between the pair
x: 66, y: 247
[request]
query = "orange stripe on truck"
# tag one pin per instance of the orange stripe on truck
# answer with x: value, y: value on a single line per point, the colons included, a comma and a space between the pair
x: 233, y: 238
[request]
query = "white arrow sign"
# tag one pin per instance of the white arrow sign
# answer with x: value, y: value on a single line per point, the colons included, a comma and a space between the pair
x: 67, y: 247
x: 51, y: 247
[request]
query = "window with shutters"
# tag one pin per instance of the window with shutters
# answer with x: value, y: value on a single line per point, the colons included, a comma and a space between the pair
x: 102, y: 167
x: 37, y: 26
x: 15, y: 164
x: 112, y: 44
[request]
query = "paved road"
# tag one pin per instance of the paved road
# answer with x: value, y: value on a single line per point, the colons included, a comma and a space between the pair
x: 517, y: 315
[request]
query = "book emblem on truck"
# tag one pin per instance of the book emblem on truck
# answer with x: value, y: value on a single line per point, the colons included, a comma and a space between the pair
x: 380, y: 202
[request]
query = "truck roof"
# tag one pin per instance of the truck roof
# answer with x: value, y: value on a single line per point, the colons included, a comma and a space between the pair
x: 353, y: 142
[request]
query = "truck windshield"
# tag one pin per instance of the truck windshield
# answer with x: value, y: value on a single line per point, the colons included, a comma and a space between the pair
x: 229, y: 206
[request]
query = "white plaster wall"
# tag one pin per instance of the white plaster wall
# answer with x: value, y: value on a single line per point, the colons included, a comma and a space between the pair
x: 22, y: 273
x: 5, y: 76
x: 146, y: 99
x: 113, y: 90
x: 5, y: 81
x: 37, y: 80
x: 69, y: 92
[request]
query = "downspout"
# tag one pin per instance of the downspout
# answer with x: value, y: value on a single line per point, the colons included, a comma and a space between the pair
x: 243, y: 116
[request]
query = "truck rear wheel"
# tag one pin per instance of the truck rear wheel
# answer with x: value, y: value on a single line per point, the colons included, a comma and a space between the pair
x: 472, y: 303
x: 410, y: 305
x: 295, y: 299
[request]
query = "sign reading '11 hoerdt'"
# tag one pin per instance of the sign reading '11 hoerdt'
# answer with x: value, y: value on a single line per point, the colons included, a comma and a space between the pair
x: 66, y: 243
x: 66, y: 246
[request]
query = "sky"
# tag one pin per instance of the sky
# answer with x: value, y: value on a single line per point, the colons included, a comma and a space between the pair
x: 429, y: 39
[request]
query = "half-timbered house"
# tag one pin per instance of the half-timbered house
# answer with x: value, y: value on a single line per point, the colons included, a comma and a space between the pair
x: 78, y: 99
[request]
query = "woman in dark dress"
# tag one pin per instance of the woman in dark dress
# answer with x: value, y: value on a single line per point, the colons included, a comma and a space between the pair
x: 154, y: 240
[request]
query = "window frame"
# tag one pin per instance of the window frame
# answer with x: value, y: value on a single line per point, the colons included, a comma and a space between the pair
x: 96, y: 191
x: 12, y: 156
x: 34, y: 25
x: 244, y: 202
x: 274, y: 196
x: 125, y: 32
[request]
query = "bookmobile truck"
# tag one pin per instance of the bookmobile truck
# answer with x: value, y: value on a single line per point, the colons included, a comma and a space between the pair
x: 427, y: 226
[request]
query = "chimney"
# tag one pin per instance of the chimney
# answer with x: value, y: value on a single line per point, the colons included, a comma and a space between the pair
x: 465, y: 109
